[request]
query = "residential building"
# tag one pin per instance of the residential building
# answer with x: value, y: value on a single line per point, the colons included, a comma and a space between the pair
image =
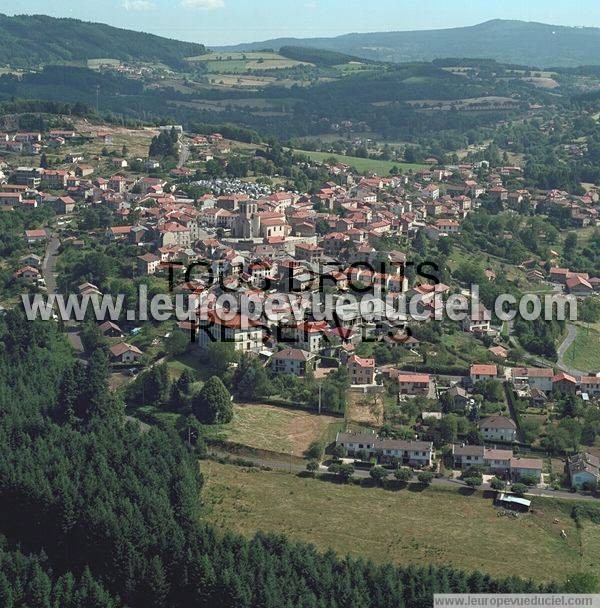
x: 498, y: 428
x: 583, y: 469
x: 110, y: 330
x: 244, y: 333
x: 148, y: 263
x: 409, y: 452
x: 292, y: 361
x: 479, y: 371
x: 36, y: 236
x: 414, y: 384
x: 526, y: 467
x: 361, y: 370
x: 125, y: 353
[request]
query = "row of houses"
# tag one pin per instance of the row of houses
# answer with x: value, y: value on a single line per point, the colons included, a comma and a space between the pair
x: 500, y: 462
x: 413, y: 453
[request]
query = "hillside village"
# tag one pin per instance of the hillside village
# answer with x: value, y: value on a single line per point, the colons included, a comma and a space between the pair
x: 493, y: 414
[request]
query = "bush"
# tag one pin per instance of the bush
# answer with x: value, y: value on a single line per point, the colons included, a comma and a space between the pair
x: 312, y: 466
x: 425, y: 477
x: 338, y: 451
x: 378, y: 473
x: 529, y: 480
x: 402, y: 474
x: 497, y: 484
x: 474, y: 482
x: 343, y: 471
x: 518, y: 489
x: 315, y: 450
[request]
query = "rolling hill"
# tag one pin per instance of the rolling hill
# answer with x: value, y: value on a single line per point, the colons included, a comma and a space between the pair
x: 31, y: 40
x: 518, y: 42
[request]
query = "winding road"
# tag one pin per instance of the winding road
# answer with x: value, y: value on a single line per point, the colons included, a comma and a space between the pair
x: 562, y: 351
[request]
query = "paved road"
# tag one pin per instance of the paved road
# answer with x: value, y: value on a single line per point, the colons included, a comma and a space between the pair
x: 562, y: 349
x: 49, y: 272
x: 184, y: 153
x: 294, y: 467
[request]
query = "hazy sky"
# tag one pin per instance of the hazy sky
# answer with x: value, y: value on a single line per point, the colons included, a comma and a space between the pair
x: 215, y: 22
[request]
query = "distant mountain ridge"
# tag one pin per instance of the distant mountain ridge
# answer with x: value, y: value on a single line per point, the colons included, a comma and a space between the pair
x: 30, y: 40
x: 507, y: 41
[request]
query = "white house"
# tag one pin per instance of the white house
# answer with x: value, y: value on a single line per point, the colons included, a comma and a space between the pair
x: 481, y: 371
x: 125, y: 353
x: 498, y: 428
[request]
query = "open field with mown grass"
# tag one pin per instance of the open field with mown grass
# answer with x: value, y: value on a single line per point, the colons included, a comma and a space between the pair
x: 435, y: 525
x: 584, y: 353
x: 277, y: 429
x: 363, y: 165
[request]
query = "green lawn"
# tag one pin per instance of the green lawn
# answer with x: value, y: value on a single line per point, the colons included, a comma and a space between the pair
x: 435, y: 525
x: 584, y: 353
x: 467, y: 346
x: 187, y: 361
x: 363, y: 165
x: 167, y: 417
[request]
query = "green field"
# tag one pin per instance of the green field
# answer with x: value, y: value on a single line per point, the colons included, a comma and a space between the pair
x: 584, y: 353
x: 94, y: 64
x: 238, y: 63
x: 189, y: 361
x: 435, y: 525
x: 276, y: 429
x: 363, y: 165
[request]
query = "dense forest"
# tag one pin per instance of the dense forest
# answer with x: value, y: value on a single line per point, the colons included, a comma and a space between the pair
x: 58, y: 40
x: 317, y: 56
x: 96, y: 513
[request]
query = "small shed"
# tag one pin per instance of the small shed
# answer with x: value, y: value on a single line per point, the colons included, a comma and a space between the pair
x: 510, y: 501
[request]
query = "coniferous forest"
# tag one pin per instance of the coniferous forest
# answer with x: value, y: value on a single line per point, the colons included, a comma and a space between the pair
x: 95, y: 513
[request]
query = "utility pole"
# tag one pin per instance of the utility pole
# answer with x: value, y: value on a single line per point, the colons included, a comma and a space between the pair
x: 97, y: 98
x: 320, y: 387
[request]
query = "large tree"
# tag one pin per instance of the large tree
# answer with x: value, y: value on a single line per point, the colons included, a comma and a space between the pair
x: 212, y: 404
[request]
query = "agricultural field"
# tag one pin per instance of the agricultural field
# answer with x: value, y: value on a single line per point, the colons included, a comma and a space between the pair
x: 137, y: 141
x: 238, y: 63
x: 95, y: 64
x: 436, y: 525
x: 276, y: 429
x: 363, y: 165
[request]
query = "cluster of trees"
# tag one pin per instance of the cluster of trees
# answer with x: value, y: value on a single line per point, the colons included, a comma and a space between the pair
x: 164, y: 144
x: 27, y: 580
x: 582, y: 257
x: 539, y: 336
x: 316, y: 56
x: 486, y: 231
x: 14, y: 224
x: 249, y: 380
